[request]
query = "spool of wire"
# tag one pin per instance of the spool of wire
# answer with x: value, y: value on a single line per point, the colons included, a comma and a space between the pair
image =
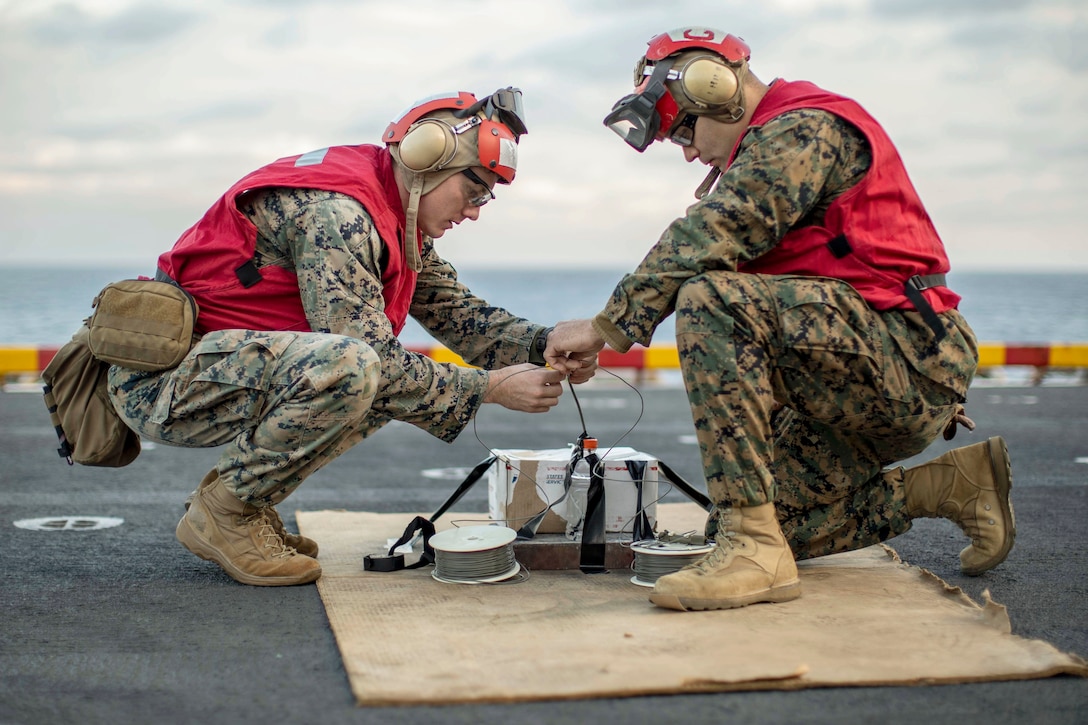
x: 474, y: 555
x: 654, y: 558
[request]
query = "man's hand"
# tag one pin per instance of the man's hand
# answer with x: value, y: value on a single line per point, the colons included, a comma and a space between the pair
x: 527, y: 388
x: 572, y: 349
x: 587, y: 371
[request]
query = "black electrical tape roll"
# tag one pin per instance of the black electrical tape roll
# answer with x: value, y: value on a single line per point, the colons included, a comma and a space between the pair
x: 383, y: 563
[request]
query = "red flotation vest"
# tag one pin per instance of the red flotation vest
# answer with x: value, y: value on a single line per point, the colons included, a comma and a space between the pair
x: 213, y: 260
x: 877, y: 235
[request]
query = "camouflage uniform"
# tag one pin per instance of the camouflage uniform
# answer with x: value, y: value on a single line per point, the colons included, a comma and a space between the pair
x: 800, y: 392
x: 287, y: 403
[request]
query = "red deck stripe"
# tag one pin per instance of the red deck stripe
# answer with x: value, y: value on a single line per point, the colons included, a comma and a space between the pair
x: 45, y: 356
x: 633, y: 358
x: 1025, y: 355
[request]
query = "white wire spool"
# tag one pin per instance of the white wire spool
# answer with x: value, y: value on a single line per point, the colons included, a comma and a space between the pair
x: 474, y: 555
x: 654, y: 559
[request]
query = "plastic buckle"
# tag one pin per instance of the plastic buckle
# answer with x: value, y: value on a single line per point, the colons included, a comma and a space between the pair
x: 383, y: 562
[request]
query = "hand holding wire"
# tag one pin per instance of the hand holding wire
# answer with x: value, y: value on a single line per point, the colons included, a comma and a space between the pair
x: 572, y: 347
x: 588, y: 369
x: 526, y: 388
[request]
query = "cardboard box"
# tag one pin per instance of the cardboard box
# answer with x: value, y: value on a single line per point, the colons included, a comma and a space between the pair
x: 522, y: 483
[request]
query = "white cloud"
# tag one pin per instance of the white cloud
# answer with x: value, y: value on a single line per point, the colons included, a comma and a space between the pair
x: 123, y: 121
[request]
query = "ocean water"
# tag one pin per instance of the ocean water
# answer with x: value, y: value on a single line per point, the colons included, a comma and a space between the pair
x: 44, y: 306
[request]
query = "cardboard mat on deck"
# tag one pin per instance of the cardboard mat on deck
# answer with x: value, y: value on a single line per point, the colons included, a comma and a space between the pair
x: 865, y: 618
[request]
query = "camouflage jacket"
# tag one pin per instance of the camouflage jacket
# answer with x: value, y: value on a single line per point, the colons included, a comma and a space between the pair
x: 785, y: 174
x: 328, y: 239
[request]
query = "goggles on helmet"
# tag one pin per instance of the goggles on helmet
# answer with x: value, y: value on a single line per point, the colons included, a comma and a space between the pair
x: 635, y: 117
x: 498, y: 119
x: 651, y: 112
x: 506, y: 104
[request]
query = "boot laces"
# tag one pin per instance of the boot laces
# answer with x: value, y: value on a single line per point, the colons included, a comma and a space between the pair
x: 266, y: 530
x: 275, y: 520
x: 277, y: 523
x: 725, y: 539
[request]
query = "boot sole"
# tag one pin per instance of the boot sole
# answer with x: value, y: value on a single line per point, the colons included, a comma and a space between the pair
x: 1002, y: 470
x: 197, y: 545
x: 774, y: 595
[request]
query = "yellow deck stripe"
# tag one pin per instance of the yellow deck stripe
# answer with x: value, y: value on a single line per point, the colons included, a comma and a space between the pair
x: 24, y: 359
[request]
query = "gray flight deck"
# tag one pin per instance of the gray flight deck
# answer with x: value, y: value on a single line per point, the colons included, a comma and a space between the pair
x: 122, y: 625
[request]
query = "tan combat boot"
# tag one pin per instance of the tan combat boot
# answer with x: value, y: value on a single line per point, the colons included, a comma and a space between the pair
x: 298, y: 542
x: 969, y: 486
x: 751, y: 563
x: 241, y: 539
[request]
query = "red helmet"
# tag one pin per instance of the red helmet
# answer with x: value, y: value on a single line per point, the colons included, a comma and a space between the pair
x: 396, y: 129
x: 729, y: 47
x: 428, y: 140
x: 691, y: 70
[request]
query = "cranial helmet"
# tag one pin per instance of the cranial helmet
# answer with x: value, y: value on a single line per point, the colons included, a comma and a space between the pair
x: 444, y: 134
x: 688, y: 70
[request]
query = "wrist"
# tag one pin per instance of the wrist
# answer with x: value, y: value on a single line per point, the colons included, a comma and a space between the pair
x: 538, y: 346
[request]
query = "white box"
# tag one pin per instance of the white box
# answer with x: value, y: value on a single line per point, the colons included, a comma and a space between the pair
x: 522, y: 483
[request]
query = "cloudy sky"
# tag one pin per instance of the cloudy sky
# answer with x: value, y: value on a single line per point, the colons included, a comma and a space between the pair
x: 121, y: 121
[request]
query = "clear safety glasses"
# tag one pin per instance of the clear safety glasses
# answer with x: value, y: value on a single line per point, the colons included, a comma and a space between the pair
x: 482, y: 199
x: 684, y: 132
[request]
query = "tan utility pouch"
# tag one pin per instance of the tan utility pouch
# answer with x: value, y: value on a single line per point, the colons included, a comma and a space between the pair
x: 78, y: 398
x: 142, y: 324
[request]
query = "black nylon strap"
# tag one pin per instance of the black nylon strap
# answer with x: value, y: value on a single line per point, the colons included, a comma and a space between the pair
x: 426, y: 526
x: 925, y: 281
x: 473, y: 476
x: 383, y: 563
x: 593, y: 536
x: 686, y: 488
x: 641, y: 528
x: 593, y: 550
x: 913, y: 289
x: 840, y: 247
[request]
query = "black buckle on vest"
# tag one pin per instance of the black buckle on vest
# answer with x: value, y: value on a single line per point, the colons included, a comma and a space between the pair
x: 839, y: 247
x: 248, y: 274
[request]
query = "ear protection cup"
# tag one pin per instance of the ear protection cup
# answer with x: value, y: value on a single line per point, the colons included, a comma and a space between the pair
x: 708, y: 82
x: 428, y: 146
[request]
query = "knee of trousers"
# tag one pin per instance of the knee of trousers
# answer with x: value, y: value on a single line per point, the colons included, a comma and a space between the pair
x: 705, y: 298
x: 346, y: 368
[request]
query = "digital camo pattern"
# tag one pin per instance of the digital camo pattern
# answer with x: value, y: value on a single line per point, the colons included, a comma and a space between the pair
x: 785, y: 174
x: 800, y: 393
x: 285, y: 403
x: 330, y: 242
x: 800, y: 396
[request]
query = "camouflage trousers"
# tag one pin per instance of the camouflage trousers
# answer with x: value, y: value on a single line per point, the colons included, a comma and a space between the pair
x: 283, y: 403
x: 801, y: 397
